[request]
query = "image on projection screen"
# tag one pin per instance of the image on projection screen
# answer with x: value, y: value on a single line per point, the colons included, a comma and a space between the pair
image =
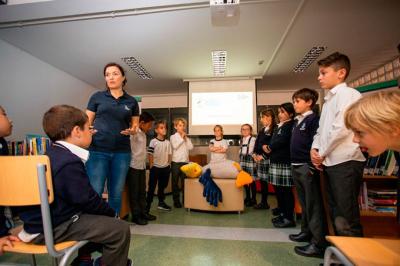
x: 226, y: 108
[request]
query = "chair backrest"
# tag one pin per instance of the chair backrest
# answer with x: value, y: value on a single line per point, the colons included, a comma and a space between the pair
x: 19, y: 185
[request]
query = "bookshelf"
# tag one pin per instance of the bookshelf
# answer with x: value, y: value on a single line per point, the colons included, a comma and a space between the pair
x: 375, y: 223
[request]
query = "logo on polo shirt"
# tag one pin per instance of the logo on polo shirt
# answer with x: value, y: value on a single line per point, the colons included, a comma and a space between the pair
x: 127, y: 108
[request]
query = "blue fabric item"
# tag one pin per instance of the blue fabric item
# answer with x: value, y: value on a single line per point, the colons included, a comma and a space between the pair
x: 211, y: 191
x: 302, y: 138
x: 111, y: 165
x: 112, y: 116
x: 72, y: 192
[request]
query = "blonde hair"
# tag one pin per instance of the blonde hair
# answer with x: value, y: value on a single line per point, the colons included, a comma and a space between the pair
x: 379, y: 112
x: 179, y: 119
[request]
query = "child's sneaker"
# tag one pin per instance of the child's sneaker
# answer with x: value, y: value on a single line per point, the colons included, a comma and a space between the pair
x: 163, y: 206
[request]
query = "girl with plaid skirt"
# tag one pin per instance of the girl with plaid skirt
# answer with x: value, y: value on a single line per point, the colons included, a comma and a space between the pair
x: 247, y: 163
x: 261, y: 157
x: 280, y: 172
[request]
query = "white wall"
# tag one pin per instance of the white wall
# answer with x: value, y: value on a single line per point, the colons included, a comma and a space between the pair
x: 29, y: 87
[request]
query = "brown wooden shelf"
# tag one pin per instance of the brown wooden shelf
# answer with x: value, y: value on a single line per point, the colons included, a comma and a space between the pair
x: 379, y: 177
x: 373, y: 213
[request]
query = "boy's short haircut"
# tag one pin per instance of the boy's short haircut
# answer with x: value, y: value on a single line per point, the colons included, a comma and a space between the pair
x: 59, y: 121
x: 180, y: 119
x: 160, y: 122
x: 378, y: 112
x: 337, y: 61
x: 146, y: 117
x: 306, y: 94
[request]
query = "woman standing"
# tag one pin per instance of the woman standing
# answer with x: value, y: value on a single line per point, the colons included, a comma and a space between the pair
x: 114, y: 114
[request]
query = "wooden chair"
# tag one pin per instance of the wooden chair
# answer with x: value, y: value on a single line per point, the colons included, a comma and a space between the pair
x: 26, y: 181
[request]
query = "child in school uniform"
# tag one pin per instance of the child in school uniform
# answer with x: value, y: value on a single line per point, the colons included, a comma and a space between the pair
x: 306, y: 177
x: 247, y: 163
x: 375, y: 122
x: 218, y: 146
x: 267, y: 119
x: 136, y: 178
x: 160, y: 153
x: 78, y: 212
x: 181, y: 145
x: 333, y: 150
x: 280, y: 173
x: 5, y: 130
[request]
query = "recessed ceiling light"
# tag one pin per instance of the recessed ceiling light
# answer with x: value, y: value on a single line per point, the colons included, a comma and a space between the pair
x: 309, y: 58
x: 219, y: 62
x: 134, y: 64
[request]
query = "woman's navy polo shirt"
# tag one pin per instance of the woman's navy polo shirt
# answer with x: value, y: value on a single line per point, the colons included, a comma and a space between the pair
x: 112, y: 116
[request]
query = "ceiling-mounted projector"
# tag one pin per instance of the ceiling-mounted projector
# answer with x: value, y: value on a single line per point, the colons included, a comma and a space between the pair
x: 225, y: 12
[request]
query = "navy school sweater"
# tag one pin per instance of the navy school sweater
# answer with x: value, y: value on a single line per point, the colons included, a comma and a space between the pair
x: 280, y: 143
x: 263, y: 138
x: 302, y: 139
x: 72, y: 192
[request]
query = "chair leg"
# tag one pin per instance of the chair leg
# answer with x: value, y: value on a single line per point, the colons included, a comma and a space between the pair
x: 33, y: 260
x: 55, y: 261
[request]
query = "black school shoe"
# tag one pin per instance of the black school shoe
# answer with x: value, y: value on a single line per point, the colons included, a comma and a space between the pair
x: 277, y: 219
x: 149, y: 217
x: 139, y: 220
x: 285, y: 223
x: 310, y: 250
x: 300, y: 237
x: 276, y: 211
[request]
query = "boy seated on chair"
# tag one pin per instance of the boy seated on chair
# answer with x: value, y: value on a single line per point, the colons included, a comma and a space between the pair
x: 78, y: 213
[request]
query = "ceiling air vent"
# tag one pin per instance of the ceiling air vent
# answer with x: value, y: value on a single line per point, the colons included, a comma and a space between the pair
x: 309, y: 58
x: 134, y: 64
x: 219, y: 62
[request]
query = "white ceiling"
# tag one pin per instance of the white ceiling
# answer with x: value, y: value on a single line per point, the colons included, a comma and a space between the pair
x: 173, y: 39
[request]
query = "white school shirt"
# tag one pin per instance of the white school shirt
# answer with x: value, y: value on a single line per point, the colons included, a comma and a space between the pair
x: 138, y: 150
x: 333, y: 140
x: 301, y: 117
x: 215, y: 156
x: 180, y: 148
x: 245, y: 143
x: 160, y: 149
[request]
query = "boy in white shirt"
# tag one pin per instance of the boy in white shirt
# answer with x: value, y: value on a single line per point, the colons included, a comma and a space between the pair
x: 181, y: 145
x: 136, y: 177
x: 159, y: 152
x: 333, y: 150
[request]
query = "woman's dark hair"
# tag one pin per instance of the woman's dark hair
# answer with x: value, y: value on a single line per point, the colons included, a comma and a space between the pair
x: 288, y: 107
x: 120, y: 69
x: 271, y: 113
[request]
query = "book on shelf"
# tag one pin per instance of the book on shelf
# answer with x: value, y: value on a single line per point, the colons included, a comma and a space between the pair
x: 384, y: 164
x: 33, y: 144
x: 377, y: 200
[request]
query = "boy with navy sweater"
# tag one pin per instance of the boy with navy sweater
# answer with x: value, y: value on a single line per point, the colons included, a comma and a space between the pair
x: 306, y: 177
x: 78, y: 213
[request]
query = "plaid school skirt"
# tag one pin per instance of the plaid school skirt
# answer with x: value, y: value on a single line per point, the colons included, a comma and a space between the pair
x: 280, y: 174
x: 263, y: 169
x: 248, y: 165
